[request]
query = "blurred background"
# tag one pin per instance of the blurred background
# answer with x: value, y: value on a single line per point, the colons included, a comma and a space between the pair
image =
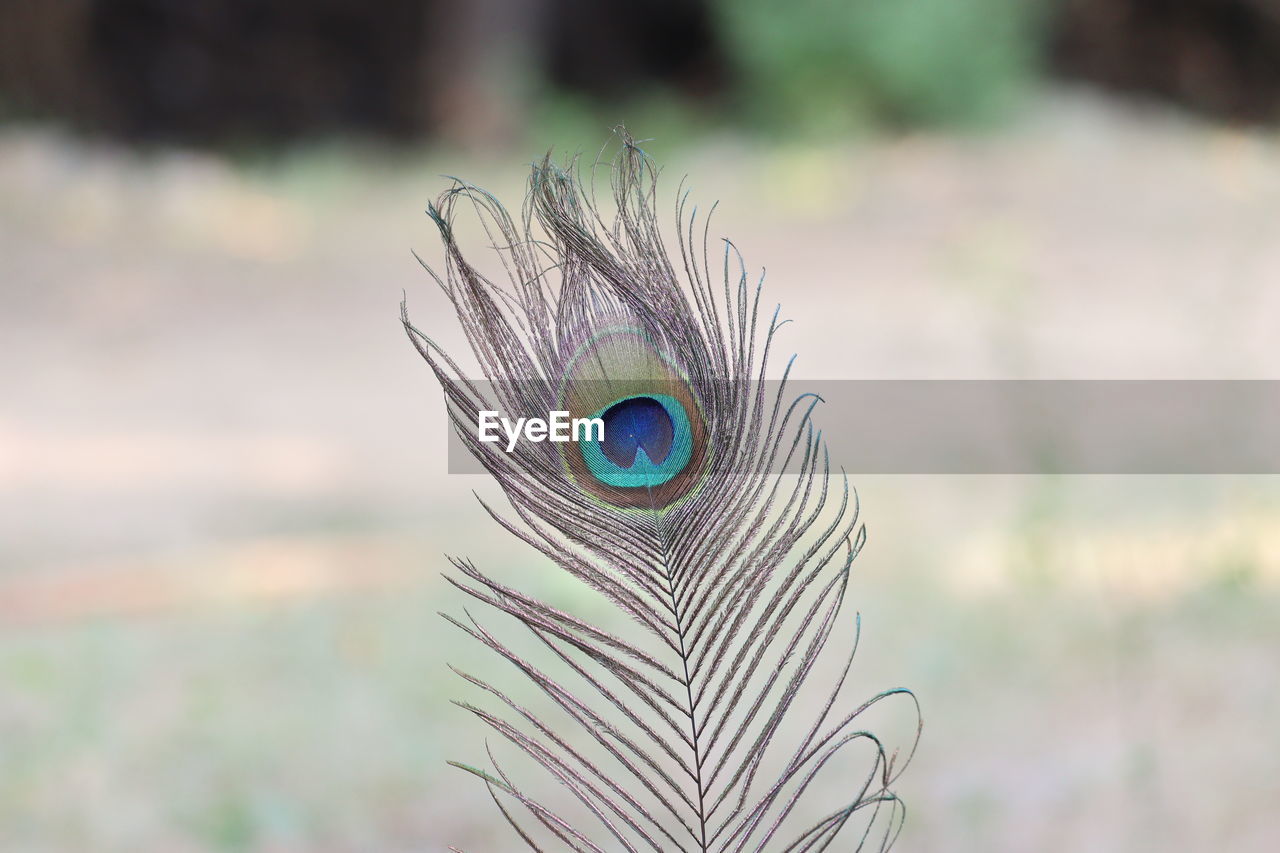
x: 223, y: 501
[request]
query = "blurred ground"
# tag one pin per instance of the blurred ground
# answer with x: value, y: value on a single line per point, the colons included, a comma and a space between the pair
x: 223, y: 506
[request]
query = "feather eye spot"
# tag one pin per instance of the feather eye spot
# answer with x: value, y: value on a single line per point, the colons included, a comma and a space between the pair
x: 648, y: 441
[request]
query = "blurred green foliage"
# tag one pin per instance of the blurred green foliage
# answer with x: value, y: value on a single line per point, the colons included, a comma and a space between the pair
x: 658, y: 114
x: 822, y: 66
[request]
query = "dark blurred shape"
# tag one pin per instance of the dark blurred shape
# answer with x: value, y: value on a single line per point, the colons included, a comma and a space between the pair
x: 612, y: 50
x: 216, y: 69
x: 1220, y: 57
x: 43, y: 61
x: 204, y: 68
x: 219, y: 70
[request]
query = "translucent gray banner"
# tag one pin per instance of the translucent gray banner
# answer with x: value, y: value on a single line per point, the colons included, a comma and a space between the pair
x: 1026, y: 426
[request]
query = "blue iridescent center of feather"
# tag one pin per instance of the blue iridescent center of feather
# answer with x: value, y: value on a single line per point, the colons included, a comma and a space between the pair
x: 635, y: 424
x: 647, y: 441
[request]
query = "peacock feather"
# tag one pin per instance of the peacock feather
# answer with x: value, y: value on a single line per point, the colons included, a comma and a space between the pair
x: 708, y: 718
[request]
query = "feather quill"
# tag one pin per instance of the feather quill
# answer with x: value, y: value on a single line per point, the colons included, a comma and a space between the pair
x: 677, y: 731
